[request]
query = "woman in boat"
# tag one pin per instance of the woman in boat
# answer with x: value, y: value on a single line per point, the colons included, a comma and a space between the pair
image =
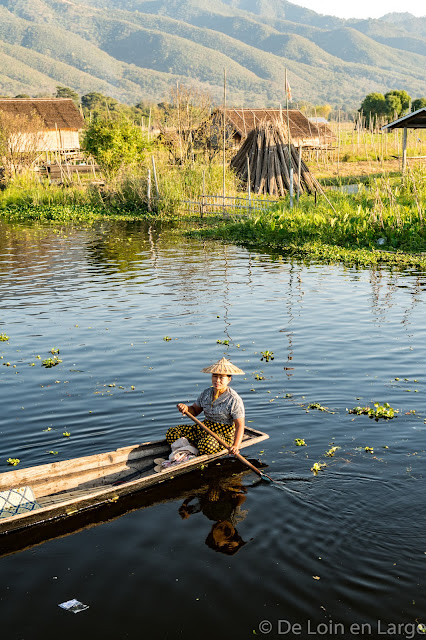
x: 223, y: 409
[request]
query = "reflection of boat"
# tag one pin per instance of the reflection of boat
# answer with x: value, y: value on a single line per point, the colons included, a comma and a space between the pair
x: 65, y: 489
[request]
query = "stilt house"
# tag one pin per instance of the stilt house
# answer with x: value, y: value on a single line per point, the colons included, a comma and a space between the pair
x: 59, y: 118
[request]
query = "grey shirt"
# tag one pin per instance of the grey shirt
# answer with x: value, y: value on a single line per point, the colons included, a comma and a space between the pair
x: 227, y: 408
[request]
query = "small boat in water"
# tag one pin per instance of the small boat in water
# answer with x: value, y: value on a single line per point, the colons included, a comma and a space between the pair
x: 46, y: 493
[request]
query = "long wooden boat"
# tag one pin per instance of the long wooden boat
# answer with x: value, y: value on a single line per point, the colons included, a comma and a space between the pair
x: 63, y: 489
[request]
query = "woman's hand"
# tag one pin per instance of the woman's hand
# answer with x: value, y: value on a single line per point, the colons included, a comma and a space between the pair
x: 234, y: 449
x: 183, y: 408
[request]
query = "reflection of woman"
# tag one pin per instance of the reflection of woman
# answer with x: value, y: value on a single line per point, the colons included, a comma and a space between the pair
x: 223, y: 409
x: 220, y: 503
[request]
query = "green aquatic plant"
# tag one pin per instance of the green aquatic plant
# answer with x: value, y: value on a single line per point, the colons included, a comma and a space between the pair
x: 267, y: 355
x: 369, y: 449
x: 318, y: 466
x: 3, y: 337
x: 51, y: 362
x: 66, y: 434
x: 225, y: 342
x: 316, y: 405
x: 300, y: 442
x: 259, y: 376
x: 330, y: 453
x: 13, y: 461
x: 379, y: 411
x: 167, y: 338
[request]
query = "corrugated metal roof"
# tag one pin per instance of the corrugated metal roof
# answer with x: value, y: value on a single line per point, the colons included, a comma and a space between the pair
x: 55, y: 113
x: 414, y: 120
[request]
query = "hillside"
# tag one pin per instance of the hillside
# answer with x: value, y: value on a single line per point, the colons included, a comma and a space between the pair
x: 138, y: 49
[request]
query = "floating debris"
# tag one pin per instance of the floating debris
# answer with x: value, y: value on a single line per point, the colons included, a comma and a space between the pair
x: 300, y: 442
x: 13, y: 461
x: 3, y: 337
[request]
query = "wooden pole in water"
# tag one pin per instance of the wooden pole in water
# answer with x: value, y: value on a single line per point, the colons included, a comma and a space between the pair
x: 224, y: 139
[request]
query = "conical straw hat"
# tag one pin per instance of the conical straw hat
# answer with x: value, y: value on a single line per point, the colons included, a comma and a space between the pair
x: 224, y: 367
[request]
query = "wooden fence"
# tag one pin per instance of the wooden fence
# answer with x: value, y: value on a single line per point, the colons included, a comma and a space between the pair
x: 227, y: 205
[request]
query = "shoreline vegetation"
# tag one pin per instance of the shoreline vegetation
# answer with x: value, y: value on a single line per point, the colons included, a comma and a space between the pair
x: 381, y: 220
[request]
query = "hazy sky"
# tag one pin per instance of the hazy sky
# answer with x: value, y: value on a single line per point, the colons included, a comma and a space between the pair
x: 362, y: 8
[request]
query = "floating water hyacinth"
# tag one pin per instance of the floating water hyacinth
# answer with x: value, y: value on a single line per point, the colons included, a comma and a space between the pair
x: 318, y: 466
x: 267, y: 355
x: 13, y: 461
x: 379, y: 411
x: 3, y: 337
x: 300, y: 442
x: 51, y: 362
x: 330, y: 453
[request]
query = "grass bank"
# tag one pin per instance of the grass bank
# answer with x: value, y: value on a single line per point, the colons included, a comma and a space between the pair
x: 382, y: 223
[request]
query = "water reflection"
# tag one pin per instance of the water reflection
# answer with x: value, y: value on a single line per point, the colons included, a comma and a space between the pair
x: 220, y: 502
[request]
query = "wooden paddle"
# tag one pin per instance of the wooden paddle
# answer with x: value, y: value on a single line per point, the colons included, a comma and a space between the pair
x: 226, y: 446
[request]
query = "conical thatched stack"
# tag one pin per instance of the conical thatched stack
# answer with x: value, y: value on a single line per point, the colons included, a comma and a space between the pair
x: 266, y: 148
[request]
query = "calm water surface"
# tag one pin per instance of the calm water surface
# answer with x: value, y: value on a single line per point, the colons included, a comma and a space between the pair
x: 323, y: 553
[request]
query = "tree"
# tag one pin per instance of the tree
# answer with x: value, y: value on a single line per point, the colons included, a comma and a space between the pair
x: 21, y: 140
x: 66, y: 92
x: 418, y: 103
x: 115, y: 144
x: 96, y: 105
x: 373, y: 107
x: 398, y: 103
x: 185, y: 121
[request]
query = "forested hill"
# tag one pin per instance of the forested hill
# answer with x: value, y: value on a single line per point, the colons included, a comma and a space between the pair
x: 137, y: 49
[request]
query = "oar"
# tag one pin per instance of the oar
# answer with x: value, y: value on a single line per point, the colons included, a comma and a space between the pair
x: 226, y: 445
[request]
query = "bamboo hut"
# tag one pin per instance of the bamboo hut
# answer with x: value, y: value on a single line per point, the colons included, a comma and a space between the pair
x: 265, y: 159
x: 306, y: 134
x: 59, y: 118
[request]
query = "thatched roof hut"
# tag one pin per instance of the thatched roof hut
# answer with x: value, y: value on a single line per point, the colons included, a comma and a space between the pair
x: 303, y: 132
x: 59, y: 119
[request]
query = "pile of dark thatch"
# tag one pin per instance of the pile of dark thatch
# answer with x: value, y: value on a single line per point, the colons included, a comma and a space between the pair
x: 267, y: 151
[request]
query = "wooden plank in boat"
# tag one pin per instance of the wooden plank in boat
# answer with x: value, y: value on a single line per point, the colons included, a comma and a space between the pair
x: 83, y: 483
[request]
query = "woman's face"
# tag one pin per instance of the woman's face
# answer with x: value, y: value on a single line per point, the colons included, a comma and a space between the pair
x: 220, y: 381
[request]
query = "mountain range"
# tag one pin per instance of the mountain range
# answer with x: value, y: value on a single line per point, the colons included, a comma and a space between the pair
x: 136, y: 50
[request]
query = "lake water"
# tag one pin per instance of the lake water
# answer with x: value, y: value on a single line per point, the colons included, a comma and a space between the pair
x: 323, y: 555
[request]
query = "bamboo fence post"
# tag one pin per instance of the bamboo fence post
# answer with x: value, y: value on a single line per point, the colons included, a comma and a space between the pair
x: 202, y: 197
x: 249, y: 184
x: 148, y: 191
x: 299, y: 170
x: 155, y: 177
